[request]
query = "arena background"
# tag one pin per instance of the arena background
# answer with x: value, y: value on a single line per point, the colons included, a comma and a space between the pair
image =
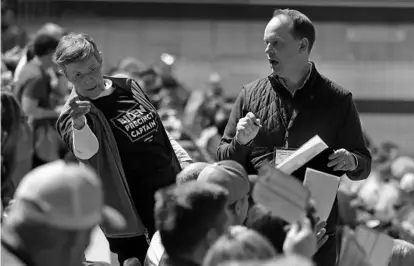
x: 365, y: 46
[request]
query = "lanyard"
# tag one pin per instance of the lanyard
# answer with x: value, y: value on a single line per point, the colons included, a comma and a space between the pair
x: 287, y: 124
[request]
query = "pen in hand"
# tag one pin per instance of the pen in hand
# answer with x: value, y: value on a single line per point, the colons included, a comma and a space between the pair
x: 257, y: 124
x: 256, y: 121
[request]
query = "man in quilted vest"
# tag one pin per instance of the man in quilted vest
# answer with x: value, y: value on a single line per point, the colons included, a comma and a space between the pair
x: 279, y: 113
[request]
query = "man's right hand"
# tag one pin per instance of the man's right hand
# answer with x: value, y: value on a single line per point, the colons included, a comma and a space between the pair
x: 320, y: 232
x: 78, y: 110
x: 247, y: 128
x: 301, y: 239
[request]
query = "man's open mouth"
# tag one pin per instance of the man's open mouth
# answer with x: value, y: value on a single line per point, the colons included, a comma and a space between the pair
x: 91, y: 89
x: 273, y: 62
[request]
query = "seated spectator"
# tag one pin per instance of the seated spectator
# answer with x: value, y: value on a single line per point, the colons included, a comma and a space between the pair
x: 49, y: 29
x: 290, y: 260
x: 228, y: 174
x: 210, y: 137
x: 271, y: 227
x: 13, y: 36
x: 239, y: 243
x: 190, y: 217
x: 56, y: 207
x: 6, y: 75
x: 16, y: 145
x: 131, y: 66
x: 402, y: 253
x: 191, y: 172
x: 33, y: 90
x: 156, y: 250
x: 402, y: 165
x: 232, y: 176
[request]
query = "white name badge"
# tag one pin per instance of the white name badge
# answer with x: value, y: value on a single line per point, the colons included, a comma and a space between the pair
x: 282, y: 154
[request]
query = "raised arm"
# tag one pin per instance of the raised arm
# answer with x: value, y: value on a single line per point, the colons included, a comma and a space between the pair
x: 77, y: 134
x: 229, y: 148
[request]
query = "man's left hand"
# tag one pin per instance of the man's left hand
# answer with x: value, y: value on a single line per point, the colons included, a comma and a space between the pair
x: 320, y: 232
x: 342, y: 160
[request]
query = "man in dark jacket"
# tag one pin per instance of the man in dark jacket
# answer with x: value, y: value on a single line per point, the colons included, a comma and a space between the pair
x: 281, y: 112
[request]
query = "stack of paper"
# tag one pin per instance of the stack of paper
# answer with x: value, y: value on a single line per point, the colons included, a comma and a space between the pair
x: 281, y: 194
x: 313, y: 154
x: 303, y: 155
x: 323, y: 188
x: 377, y: 246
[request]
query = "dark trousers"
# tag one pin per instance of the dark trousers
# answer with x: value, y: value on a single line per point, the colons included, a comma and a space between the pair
x: 328, y: 253
x: 137, y: 246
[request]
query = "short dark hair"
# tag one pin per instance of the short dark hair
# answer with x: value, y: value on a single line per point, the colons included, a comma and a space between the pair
x: 269, y: 226
x: 76, y: 47
x: 185, y: 213
x: 44, y: 44
x: 302, y: 25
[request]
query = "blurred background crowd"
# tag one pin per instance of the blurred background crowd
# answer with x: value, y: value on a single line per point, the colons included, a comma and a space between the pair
x: 192, y: 59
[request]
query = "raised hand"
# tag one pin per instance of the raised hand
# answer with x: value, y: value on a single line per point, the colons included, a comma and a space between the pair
x: 78, y: 110
x: 247, y: 128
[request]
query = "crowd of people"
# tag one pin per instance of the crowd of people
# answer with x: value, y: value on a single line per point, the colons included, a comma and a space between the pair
x: 168, y: 172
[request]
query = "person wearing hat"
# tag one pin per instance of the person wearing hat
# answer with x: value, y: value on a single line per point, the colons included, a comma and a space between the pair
x: 56, y: 207
x: 232, y: 176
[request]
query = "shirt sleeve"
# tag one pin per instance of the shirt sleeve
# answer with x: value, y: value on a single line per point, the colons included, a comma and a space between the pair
x: 179, y: 151
x: 229, y: 148
x: 352, y: 139
x: 85, y: 143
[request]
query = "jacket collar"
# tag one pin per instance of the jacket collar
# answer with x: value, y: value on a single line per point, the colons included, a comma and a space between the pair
x: 306, y: 89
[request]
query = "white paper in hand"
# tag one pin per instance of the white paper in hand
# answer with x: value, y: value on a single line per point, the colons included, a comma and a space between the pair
x: 323, y: 188
x: 303, y: 155
x: 377, y: 246
x: 283, y: 195
x: 98, y: 249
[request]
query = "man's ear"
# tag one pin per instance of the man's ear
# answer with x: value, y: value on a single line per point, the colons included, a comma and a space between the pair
x: 238, y: 206
x: 100, y: 60
x: 304, y: 45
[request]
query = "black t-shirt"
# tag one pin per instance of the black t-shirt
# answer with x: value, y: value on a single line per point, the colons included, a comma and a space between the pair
x: 146, y: 153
